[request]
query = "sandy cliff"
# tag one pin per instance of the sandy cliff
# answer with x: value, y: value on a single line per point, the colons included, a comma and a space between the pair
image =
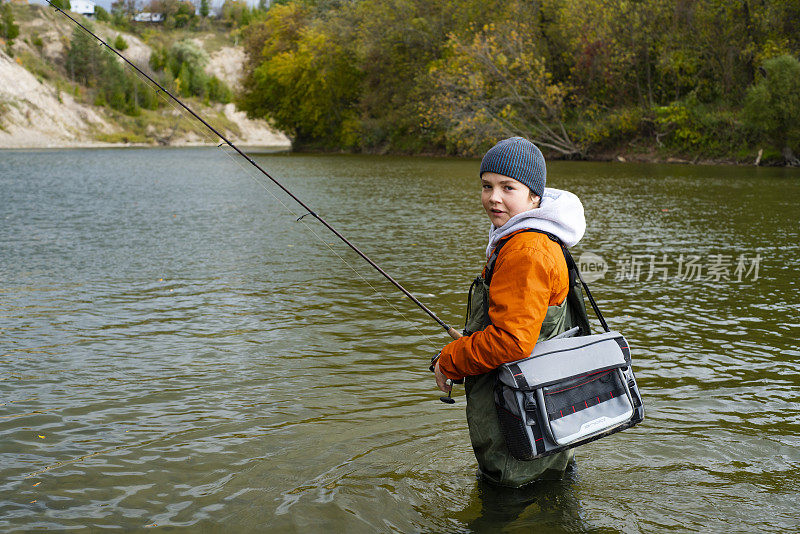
x: 36, y: 113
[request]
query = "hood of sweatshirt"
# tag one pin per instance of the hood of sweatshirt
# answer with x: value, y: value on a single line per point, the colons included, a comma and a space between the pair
x: 560, y: 213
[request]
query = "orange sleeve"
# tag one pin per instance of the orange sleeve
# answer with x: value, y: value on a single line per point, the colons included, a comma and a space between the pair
x: 525, y: 282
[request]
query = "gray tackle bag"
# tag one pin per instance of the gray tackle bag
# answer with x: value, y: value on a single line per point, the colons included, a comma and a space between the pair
x: 569, y: 391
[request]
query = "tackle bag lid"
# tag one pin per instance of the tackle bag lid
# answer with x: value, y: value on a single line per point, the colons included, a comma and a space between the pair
x: 557, y: 359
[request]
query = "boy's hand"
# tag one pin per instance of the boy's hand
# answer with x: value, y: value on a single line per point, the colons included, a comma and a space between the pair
x: 441, y: 380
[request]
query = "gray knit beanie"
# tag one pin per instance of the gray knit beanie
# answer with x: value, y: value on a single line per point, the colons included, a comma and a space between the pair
x: 519, y: 159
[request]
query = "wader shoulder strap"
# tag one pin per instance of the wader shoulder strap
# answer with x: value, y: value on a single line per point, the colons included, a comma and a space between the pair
x: 496, y: 252
x: 489, y: 270
x: 572, y: 268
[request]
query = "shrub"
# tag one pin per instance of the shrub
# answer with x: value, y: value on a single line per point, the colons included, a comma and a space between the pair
x: 679, y: 125
x: 183, y: 63
x: 120, y: 43
x: 610, y: 129
x: 692, y: 127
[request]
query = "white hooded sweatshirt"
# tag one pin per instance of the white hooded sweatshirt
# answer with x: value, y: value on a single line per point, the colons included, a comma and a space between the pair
x: 560, y: 213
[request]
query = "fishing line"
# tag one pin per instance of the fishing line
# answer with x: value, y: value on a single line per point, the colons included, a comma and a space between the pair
x: 329, y: 247
x: 450, y: 330
x: 248, y: 171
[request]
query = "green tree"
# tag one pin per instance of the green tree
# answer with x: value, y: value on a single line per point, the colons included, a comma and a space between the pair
x: 575, y: 75
x: 392, y: 43
x: 122, y: 11
x: 101, y: 14
x: 62, y: 4
x: 372, y: 56
x: 184, y: 15
x: 186, y: 53
x: 183, y: 64
x: 124, y: 7
x: 708, y: 50
x: 159, y: 58
x: 236, y: 13
x: 772, y: 106
x: 177, y: 13
x: 204, y: 8
x: 84, y: 58
x: 104, y: 76
x: 8, y: 28
x: 604, y: 51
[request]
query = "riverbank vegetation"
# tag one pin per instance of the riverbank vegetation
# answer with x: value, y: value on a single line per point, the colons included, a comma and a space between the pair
x: 178, y: 65
x: 704, y: 80
x: 179, y: 46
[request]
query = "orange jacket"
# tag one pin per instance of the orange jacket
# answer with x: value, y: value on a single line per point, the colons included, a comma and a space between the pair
x: 530, y: 274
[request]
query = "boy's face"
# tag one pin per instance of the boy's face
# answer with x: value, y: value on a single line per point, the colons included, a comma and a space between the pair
x: 503, y: 197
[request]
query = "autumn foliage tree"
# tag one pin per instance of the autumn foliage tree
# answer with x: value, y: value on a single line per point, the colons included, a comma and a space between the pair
x: 497, y: 85
x: 301, y: 76
x: 577, y: 76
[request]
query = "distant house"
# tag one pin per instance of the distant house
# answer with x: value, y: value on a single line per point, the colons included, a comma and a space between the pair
x: 82, y: 7
x: 145, y: 16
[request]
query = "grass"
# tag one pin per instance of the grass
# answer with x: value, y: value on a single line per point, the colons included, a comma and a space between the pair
x: 164, y: 125
x: 37, y: 66
x: 215, y: 40
x: 122, y: 137
x: 24, y: 13
x: 5, y: 107
x: 213, y: 34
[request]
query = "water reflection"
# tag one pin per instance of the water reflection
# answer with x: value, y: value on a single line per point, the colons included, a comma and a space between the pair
x: 549, y: 505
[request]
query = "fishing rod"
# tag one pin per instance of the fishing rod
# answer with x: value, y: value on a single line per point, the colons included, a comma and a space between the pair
x: 449, y: 329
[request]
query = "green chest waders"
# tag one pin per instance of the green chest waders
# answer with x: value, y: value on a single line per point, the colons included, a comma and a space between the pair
x: 496, y: 463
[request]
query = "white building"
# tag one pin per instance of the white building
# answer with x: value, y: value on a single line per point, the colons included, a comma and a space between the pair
x: 82, y: 7
x: 145, y: 16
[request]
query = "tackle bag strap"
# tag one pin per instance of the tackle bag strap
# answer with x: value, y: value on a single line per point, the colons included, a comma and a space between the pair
x: 571, y: 266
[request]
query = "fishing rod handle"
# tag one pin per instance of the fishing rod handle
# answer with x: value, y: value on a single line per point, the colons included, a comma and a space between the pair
x: 455, y: 334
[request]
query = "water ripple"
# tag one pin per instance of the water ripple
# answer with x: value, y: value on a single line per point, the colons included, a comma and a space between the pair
x: 177, y: 352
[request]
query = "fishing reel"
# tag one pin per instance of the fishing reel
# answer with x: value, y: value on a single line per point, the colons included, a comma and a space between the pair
x: 448, y: 399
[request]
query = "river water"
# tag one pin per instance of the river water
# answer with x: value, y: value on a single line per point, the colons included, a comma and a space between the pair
x: 176, y: 350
